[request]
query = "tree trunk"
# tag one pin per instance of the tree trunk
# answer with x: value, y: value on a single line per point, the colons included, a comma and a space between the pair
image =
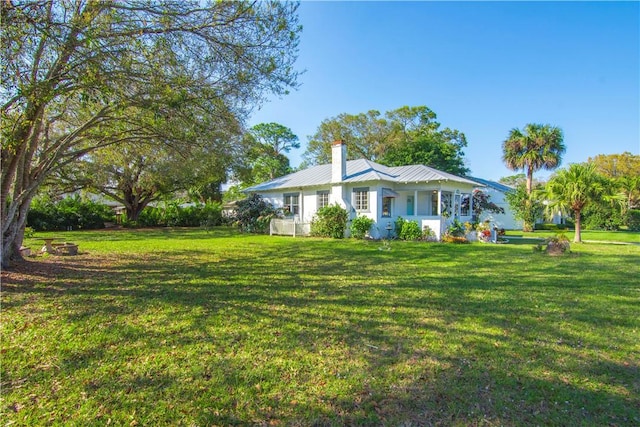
x: 13, y: 234
x: 577, y: 238
x: 133, y: 212
x: 529, y: 180
x: 134, y: 204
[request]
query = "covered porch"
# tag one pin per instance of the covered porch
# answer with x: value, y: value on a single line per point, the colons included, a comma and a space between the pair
x: 435, y: 208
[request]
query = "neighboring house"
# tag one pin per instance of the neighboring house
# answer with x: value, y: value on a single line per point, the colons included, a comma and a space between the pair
x: 498, y: 194
x: 431, y: 197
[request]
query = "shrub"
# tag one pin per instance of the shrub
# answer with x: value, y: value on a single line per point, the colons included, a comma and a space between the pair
x: 556, y: 245
x: 71, y: 212
x: 329, y: 221
x: 602, y: 216
x: 398, y: 225
x: 428, y: 234
x: 360, y: 226
x: 211, y: 215
x: 633, y: 219
x: 456, y: 228
x: 29, y: 232
x: 150, y: 216
x: 455, y: 233
x: 550, y: 226
x: 253, y: 214
x: 174, y: 215
x: 410, y: 231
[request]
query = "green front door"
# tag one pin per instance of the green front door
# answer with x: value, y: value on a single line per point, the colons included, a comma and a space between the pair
x: 410, y: 206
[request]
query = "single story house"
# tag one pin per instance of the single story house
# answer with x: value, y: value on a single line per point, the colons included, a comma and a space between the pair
x: 419, y: 193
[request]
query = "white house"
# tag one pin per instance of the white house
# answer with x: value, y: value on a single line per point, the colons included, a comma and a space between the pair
x: 431, y: 197
x: 497, y: 194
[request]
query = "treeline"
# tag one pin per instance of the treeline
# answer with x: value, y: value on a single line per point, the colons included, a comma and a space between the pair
x: 78, y: 213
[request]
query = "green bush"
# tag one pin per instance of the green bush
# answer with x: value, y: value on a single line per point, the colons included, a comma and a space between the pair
x: 360, y: 226
x: 69, y: 213
x: 329, y: 221
x: 455, y: 233
x: 550, y: 226
x: 633, y: 219
x: 410, y: 231
x: 556, y: 245
x: 174, y: 215
x: 602, y: 216
x: 456, y: 229
x: 428, y: 234
x: 29, y: 232
x: 150, y: 216
x: 398, y: 225
x: 253, y: 214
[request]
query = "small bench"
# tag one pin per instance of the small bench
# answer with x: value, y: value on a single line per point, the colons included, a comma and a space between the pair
x: 66, y: 249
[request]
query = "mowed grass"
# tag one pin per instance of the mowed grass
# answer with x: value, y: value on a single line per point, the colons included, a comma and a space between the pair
x: 185, y: 327
x: 587, y: 235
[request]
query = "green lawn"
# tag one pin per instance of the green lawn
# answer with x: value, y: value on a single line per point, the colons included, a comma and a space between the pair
x: 185, y: 327
x: 588, y: 235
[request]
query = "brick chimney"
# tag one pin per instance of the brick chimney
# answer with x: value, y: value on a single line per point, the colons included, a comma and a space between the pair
x: 338, y: 161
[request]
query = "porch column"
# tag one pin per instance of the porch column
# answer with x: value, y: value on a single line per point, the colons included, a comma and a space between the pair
x: 415, y: 202
x: 301, y: 216
x: 439, y: 202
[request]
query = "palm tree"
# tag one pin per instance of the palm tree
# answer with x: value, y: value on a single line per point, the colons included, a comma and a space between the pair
x: 573, y: 189
x: 538, y: 147
x: 630, y: 188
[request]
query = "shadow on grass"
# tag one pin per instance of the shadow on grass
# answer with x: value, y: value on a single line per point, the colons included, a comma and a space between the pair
x: 307, y: 331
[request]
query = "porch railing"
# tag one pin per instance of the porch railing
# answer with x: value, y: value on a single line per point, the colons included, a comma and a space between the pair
x: 289, y: 227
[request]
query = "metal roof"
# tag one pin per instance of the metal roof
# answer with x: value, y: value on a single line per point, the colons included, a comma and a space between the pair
x: 360, y: 170
x: 492, y: 184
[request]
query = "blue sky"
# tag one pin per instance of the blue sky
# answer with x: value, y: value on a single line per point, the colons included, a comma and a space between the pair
x: 482, y: 67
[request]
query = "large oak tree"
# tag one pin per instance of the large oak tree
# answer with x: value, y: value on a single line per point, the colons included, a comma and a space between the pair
x: 77, y: 75
x: 404, y: 136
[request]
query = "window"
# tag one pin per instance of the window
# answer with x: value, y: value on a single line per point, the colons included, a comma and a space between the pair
x: 361, y: 199
x: 434, y: 202
x: 386, y: 206
x: 291, y: 204
x: 456, y: 203
x: 323, y: 199
x: 465, y: 206
x: 447, y: 203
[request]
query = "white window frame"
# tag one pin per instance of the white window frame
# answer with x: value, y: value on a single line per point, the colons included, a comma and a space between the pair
x: 287, y: 203
x: 361, y: 199
x: 323, y: 198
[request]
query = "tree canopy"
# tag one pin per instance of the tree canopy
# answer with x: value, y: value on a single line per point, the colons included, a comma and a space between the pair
x: 573, y: 189
x: 266, y: 159
x: 617, y: 165
x: 534, y: 148
x: 80, y: 75
x: 407, y: 135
